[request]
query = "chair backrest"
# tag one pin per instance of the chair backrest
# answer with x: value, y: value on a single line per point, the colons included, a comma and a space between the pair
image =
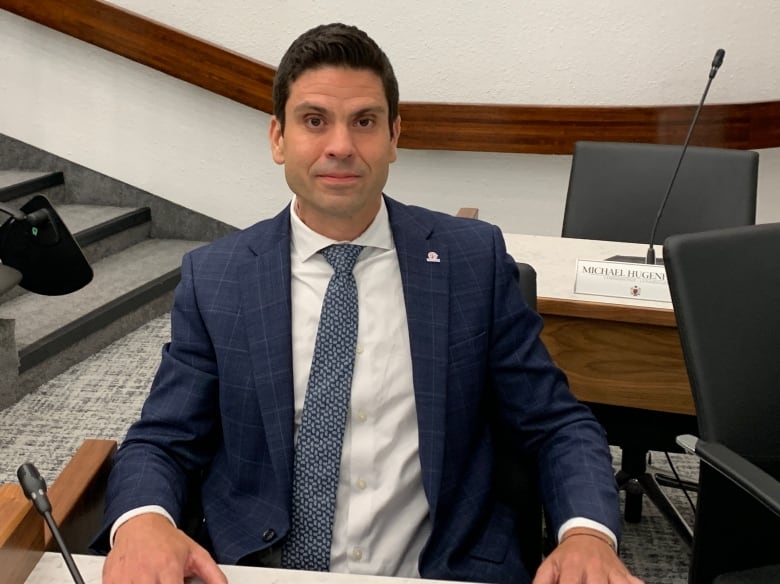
x: 725, y: 288
x: 616, y: 189
x: 527, y: 282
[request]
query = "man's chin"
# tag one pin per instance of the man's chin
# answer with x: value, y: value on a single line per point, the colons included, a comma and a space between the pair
x: 345, y: 204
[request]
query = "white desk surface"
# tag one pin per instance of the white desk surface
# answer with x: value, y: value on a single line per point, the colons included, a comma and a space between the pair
x: 555, y: 260
x: 52, y: 570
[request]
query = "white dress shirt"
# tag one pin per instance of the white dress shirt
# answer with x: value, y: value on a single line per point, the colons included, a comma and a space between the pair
x: 381, y: 521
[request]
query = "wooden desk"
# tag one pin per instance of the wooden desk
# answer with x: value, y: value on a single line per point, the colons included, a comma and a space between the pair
x: 615, y: 351
x: 77, y: 506
x: 21, y: 535
x: 52, y: 570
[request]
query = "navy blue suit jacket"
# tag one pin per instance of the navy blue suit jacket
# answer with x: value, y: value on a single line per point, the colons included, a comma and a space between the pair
x: 222, y: 401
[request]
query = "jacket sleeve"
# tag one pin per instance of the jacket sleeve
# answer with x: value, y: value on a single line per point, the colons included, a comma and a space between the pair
x: 534, y: 400
x: 165, y: 450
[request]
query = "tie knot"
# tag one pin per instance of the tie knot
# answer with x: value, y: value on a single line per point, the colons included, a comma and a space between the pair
x: 342, y: 257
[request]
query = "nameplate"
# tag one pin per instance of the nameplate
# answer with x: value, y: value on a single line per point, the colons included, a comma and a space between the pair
x: 622, y: 280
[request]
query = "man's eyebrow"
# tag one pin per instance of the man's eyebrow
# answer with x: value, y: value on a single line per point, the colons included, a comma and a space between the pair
x: 306, y: 107
x: 309, y: 107
x: 371, y: 110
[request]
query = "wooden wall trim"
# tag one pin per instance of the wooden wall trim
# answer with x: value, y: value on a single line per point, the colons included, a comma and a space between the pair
x: 430, y: 126
x: 155, y: 45
x: 555, y: 129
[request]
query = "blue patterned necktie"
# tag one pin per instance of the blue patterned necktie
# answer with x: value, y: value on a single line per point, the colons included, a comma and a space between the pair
x: 318, y: 452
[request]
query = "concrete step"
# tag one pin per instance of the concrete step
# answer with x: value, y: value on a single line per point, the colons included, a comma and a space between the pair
x: 18, y: 183
x: 102, y: 230
x: 117, y: 226
x: 90, y: 224
x: 123, y: 282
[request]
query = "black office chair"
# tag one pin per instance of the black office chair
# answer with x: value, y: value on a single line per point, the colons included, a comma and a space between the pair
x: 616, y: 189
x: 526, y: 280
x: 38, y: 253
x: 615, y: 192
x: 725, y: 287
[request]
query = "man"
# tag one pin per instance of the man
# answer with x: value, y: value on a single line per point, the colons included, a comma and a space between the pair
x: 431, y: 329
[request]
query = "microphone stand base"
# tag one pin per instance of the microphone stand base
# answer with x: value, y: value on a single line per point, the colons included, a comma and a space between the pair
x: 633, y: 260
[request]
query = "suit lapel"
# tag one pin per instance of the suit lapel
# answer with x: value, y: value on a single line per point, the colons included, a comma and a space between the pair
x: 266, y: 304
x: 423, y: 260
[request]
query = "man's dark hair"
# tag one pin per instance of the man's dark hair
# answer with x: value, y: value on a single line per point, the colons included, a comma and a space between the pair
x: 336, y: 45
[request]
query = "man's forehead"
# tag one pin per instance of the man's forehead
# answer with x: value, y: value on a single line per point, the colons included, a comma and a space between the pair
x: 340, y: 76
x: 361, y: 88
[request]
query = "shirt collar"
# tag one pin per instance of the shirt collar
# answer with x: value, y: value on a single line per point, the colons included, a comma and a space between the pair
x: 306, y: 242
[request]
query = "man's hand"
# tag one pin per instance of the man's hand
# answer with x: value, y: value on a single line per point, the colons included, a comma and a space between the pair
x: 149, y: 550
x: 584, y: 555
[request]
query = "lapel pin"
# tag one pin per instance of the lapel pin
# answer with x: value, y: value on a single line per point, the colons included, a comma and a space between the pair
x: 433, y: 257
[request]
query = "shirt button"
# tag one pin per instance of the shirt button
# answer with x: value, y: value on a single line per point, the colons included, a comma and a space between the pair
x: 357, y: 554
x: 362, y: 416
x: 359, y: 349
x: 361, y: 484
x: 269, y: 535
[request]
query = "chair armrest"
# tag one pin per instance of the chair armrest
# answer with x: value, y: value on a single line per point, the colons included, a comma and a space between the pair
x: 753, y: 480
x: 21, y: 535
x: 77, y: 494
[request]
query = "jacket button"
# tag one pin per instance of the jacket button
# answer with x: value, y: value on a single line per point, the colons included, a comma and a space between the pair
x: 269, y: 535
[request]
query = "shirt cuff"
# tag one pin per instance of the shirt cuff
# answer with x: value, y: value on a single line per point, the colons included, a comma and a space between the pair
x: 125, y: 517
x: 590, y: 524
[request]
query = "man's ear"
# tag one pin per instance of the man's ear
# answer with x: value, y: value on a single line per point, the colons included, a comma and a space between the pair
x: 276, y: 138
x: 394, y: 139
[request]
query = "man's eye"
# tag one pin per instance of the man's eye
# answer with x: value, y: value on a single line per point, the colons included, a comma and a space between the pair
x: 365, y: 122
x: 313, y: 122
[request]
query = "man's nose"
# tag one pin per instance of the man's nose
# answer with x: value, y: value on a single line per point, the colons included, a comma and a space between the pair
x: 340, y: 143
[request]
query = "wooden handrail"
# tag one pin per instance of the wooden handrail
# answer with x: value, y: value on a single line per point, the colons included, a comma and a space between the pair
x: 430, y: 126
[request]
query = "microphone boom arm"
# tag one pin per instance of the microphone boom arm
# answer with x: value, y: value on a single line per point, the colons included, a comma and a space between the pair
x: 34, y: 488
x: 716, y: 63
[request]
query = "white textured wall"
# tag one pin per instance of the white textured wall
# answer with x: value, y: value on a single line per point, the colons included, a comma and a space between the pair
x: 210, y: 154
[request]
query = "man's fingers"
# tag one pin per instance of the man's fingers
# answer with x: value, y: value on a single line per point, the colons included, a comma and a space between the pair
x: 149, y: 549
x: 203, y: 565
x: 545, y: 574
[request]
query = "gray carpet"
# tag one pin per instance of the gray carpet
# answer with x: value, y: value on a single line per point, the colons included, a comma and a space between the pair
x: 101, y: 396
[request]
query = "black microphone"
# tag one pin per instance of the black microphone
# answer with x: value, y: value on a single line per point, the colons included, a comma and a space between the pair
x: 34, y: 487
x: 717, y: 61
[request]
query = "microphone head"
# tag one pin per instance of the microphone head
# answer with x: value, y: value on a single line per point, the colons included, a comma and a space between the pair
x: 34, y: 487
x: 717, y: 61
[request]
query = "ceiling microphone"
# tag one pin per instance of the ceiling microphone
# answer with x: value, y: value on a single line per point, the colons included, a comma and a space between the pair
x: 34, y: 487
x: 717, y: 61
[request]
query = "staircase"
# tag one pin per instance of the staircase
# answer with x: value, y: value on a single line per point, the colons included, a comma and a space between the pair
x: 135, y: 261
